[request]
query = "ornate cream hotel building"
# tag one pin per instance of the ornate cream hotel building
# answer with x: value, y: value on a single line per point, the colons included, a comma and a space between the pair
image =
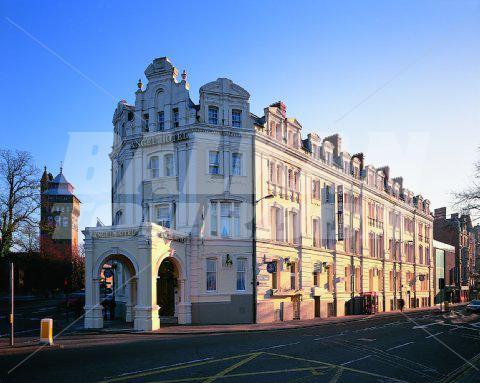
x: 221, y: 216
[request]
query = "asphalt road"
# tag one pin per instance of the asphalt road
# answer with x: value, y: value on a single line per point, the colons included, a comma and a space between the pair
x: 415, y: 347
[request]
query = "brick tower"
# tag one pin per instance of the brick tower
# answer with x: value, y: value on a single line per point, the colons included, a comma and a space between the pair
x: 58, y: 218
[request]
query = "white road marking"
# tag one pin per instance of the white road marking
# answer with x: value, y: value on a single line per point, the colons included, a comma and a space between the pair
x: 427, y: 325
x: 277, y: 346
x: 355, y: 360
x: 329, y: 336
x: 400, y: 345
x: 432, y: 335
x: 157, y: 368
x: 456, y: 327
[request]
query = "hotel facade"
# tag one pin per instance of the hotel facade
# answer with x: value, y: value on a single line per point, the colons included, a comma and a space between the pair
x: 221, y: 216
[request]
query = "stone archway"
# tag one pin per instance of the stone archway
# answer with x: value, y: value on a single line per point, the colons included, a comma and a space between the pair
x: 172, y: 291
x: 127, y: 287
x: 167, y: 288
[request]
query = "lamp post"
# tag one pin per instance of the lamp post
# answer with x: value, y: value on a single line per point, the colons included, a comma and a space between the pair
x: 254, y: 252
x: 12, y: 286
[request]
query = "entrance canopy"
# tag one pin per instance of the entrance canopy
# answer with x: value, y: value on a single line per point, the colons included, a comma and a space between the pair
x: 146, y: 251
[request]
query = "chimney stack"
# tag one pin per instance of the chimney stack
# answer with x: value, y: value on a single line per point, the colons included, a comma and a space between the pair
x: 440, y: 213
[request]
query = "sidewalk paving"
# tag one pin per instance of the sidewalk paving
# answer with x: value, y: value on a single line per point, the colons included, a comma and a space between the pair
x: 261, y: 327
x: 31, y: 343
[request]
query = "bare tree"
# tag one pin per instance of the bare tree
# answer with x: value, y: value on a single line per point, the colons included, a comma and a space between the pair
x: 19, y: 196
x: 27, y: 238
x: 469, y: 199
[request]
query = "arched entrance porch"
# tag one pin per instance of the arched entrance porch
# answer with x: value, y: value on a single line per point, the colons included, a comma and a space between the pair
x: 112, y: 283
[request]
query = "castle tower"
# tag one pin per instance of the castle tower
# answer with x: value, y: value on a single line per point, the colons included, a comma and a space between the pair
x: 60, y: 209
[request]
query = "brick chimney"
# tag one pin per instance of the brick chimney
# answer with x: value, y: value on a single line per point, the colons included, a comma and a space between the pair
x: 440, y: 213
x: 280, y: 105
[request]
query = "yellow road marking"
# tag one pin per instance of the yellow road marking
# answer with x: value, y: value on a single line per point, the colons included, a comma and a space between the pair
x: 337, y: 376
x: 248, y: 358
x: 231, y: 368
x: 331, y: 365
x: 239, y: 375
x: 148, y: 373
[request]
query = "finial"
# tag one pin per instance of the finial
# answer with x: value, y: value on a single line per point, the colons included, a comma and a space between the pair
x: 61, y: 167
x: 184, y: 75
x: 45, y: 168
x: 140, y: 85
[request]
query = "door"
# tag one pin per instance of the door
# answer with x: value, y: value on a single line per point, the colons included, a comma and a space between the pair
x: 296, y: 306
x: 166, y: 289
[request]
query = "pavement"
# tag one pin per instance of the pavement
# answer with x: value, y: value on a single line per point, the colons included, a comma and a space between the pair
x: 415, y: 346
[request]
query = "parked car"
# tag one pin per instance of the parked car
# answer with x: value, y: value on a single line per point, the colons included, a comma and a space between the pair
x: 474, y: 306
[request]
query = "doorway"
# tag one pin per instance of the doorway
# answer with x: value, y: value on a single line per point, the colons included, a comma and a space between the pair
x: 166, y: 285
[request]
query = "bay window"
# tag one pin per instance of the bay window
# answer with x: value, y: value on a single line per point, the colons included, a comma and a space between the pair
x: 154, y: 167
x: 225, y: 219
x: 168, y: 165
x: 163, y: 215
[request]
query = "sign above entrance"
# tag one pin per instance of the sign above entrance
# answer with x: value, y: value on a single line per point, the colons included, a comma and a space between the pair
x: 159, y: 139
x: 115, y: 233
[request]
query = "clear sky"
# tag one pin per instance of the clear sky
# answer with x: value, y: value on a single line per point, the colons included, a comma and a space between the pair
x: 399, y: 81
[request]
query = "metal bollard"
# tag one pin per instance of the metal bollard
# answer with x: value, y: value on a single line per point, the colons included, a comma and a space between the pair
x: 46, y: 331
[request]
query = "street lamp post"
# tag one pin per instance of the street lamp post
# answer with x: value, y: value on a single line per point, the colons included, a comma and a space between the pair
x: 254, y: 253
x: 12, y: 286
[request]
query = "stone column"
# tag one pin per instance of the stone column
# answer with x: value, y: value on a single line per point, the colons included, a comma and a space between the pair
x: 146, y: 309
x: 132, y: 298
x: 93, y: 310
x: 185, y: 306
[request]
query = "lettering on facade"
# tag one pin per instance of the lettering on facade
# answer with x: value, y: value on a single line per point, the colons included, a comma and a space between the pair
x: 159, y: 139
x: 115, y: 233
x: 340, y: 212
x: 172, y: 236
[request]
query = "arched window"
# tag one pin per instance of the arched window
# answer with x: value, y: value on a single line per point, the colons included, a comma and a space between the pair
x: 118, y: 217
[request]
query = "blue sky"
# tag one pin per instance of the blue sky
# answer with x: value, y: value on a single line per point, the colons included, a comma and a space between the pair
x: 399, y: 80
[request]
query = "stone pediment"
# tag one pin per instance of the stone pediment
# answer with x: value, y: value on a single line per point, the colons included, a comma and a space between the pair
x: 225, y: 86
x: 161, y: 67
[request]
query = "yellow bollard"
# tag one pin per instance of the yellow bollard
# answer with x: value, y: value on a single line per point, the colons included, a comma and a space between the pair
x: 46, y: 331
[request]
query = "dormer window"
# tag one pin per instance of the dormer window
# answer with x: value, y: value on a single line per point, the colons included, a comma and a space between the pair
x: 175, y: 117
x: 328, y: 158
x: 213, y: 115
x: 295, y: 140
x: 236, y: 118
x: 346, y: 167
x: 279, y: 132
x: 118, y: 217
